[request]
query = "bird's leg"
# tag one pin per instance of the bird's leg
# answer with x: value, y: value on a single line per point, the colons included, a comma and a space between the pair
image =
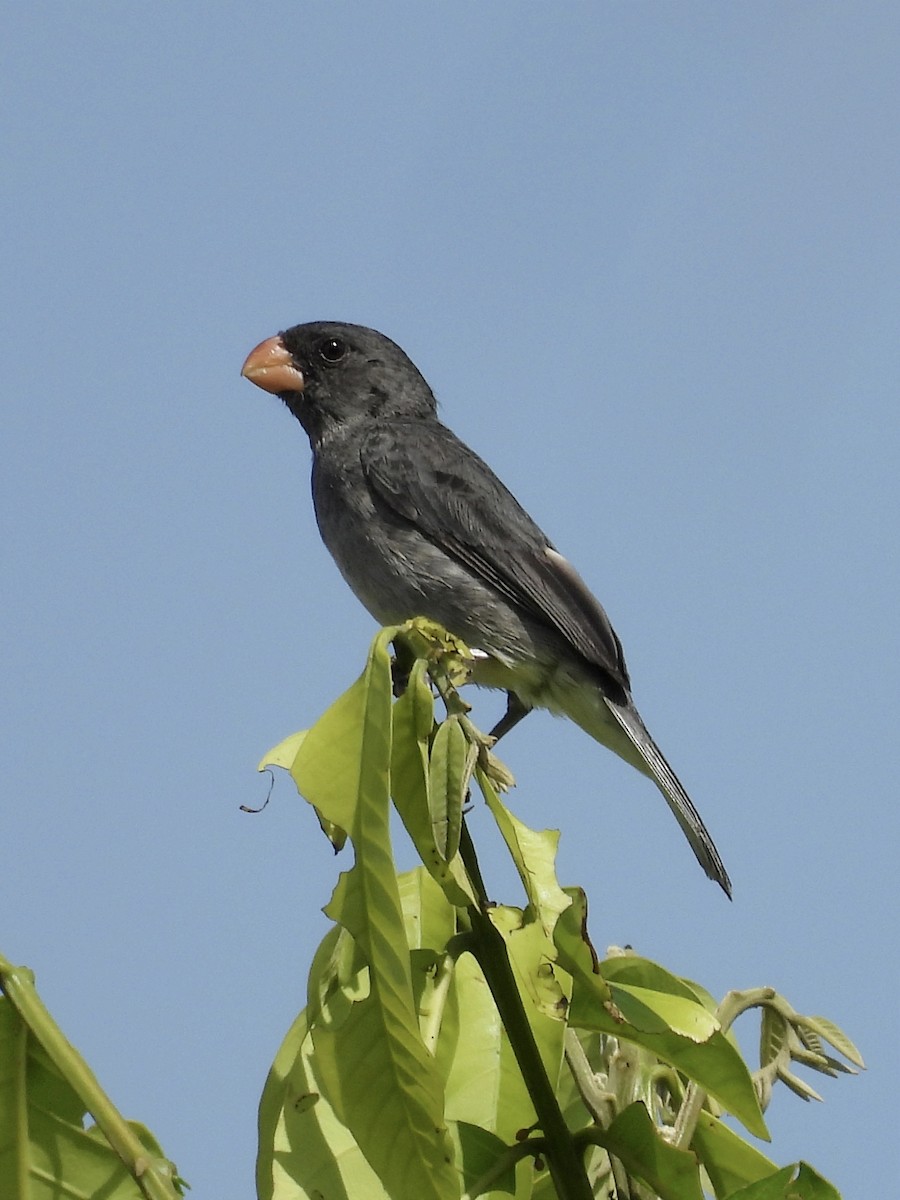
x: 516, y: 709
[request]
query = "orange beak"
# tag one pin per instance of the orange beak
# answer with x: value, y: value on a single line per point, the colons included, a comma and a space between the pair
x: 271, y: 367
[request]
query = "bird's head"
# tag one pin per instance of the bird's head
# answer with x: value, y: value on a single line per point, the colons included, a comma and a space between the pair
x: 331, y: 375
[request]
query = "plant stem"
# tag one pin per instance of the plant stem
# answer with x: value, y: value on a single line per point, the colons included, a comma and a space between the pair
x: 510, y: 1156
x: 727, y: 1013
x: 565, y: 1164
x: 598, y: 1101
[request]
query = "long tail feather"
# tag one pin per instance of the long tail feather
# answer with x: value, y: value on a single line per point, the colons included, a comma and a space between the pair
x: 677, y: 798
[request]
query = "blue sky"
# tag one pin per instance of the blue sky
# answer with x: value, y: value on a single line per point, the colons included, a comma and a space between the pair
x: 647, y: 256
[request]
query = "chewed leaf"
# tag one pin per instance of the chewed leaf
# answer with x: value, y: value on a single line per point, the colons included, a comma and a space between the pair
x: 656, y: 1012
x: 534, y: 855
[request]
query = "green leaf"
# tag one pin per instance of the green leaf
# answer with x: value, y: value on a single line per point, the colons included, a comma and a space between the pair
x: 374, y: 1069
x: 773, y: 1036
x: 284, y: 753
x: 430, y: 919
x: 716, y: 1066
x: 484, y: 1086
x: 481, y: 1156
x: 46, y: 1091
x: 636, y: 1142
x: 380, y: 1090
x: 534, y: 855
x: 714, y: 1063
x: 412, y: 722
x: 305, y: 1152
x: 347, y: 751
x: 338, y: 977
x: 832, y: 1033
x: 730, y: 1162
x: 430, y: 924
x: 450, y: 767
x: 533, y: 958
x: 797, y: 1085
x: 577, y: 956
x: 272, y: 1105
x: 629, y: 968
x: 305, y: 1149
x: 658, y: 1012
x: 542, y: 987
x: 797, y: 1182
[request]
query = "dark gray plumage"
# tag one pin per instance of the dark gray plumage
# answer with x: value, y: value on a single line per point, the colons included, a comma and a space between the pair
x: 419, y: 525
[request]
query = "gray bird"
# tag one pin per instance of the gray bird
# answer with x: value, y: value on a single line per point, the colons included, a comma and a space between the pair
x: 420, y: 526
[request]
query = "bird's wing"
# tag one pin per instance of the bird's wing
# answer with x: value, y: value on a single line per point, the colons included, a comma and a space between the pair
x: 424, y: 473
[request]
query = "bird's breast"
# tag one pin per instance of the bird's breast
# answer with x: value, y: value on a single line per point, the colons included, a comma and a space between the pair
x: 398, y: 573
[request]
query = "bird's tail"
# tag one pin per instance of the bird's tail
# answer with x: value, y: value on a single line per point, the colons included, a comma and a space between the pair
x: 654, y: 763
x: 619, y: 726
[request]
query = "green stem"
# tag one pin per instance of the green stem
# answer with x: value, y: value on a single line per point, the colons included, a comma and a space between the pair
x: 727, y: 1013
x: 599, y: 1102
x: 17, y: 983
x: 563, y: 1159
x: 565, y: 1164
x: 513, y: 1154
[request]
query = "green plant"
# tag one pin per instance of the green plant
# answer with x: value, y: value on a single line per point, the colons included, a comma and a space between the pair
x: 452, y: 1047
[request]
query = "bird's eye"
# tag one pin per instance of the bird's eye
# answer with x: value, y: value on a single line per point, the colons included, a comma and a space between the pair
x: 332, y: 350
